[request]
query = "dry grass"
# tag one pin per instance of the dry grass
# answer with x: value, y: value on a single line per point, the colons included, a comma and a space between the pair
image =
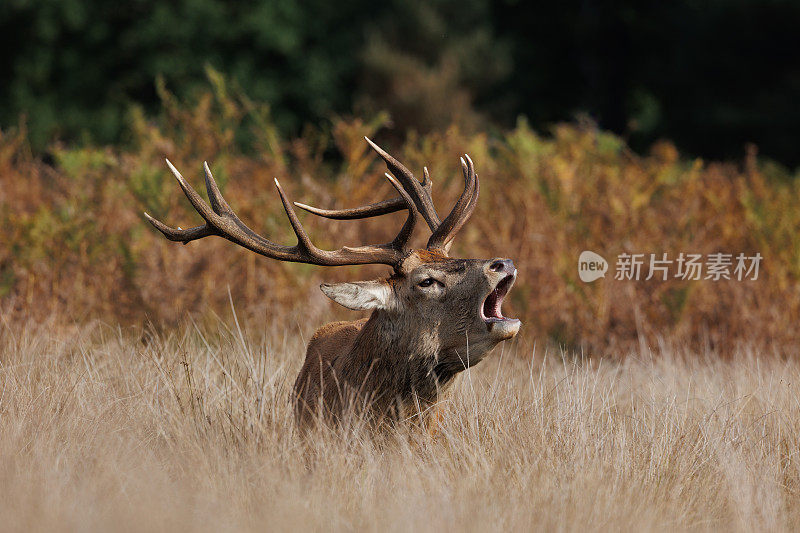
x: 102, y: 428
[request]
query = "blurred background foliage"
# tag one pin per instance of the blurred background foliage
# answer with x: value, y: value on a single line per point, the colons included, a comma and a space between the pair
x: 711, y: 76
x: 75, y: 245
x: 96, y: 94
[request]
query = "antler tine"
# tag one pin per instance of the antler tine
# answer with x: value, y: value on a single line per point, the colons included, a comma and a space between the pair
x: 221, y: 220
x: 461, y: 212
x: 418, y: 191
x: 218, y: 203
x: 303, y: 241
x: 372, y: 210
x: 190, y: 234
x: 180, y: 235
x: 427, y: 183
x: 383, y: 207
x: 402, y: 238
x: 196, y: 200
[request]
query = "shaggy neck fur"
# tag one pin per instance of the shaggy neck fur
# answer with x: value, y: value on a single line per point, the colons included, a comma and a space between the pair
x: 392, y: 355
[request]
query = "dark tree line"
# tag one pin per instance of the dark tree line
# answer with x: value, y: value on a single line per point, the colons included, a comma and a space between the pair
x: 711, y: 75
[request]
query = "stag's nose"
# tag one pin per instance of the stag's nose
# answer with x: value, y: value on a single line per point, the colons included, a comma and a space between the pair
x: 502, y: 265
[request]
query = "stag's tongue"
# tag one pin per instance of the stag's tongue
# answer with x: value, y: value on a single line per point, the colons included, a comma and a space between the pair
x: 492, y: 305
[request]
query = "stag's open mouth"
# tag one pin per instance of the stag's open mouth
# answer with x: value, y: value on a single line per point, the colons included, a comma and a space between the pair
x: 491, y: 310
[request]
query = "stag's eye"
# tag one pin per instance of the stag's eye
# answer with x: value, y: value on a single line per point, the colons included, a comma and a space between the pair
x: 427, y: 282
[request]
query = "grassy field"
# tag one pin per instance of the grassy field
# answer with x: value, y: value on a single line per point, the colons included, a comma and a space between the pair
x: 106, y: 428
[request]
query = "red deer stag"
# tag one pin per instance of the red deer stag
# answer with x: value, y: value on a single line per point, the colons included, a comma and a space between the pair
x: 432, y: 318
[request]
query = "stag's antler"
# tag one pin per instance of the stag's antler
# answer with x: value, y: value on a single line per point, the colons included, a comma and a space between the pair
x: 443, y: 232
x: 221, y: 220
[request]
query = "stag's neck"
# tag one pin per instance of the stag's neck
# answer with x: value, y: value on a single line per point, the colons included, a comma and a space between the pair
x: 394, y: 338
x: 391, y: 351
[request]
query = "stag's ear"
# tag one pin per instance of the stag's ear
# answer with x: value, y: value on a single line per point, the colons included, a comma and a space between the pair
x: 360, y: 295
